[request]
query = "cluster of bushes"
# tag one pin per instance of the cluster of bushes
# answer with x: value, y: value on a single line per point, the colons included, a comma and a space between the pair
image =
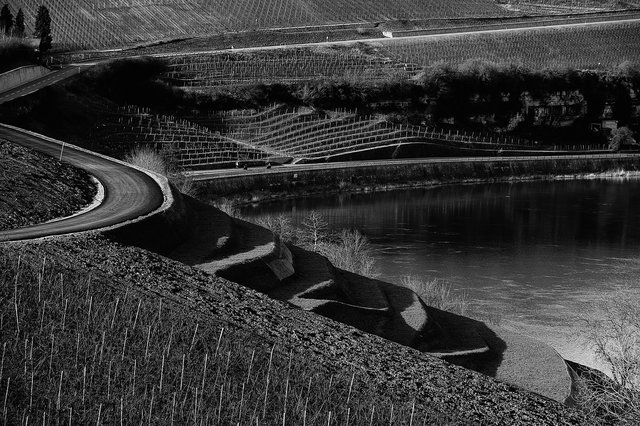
x: 16, y: 53
x: 163, y: 163
x: 347, y: 249
x: 351, y: 251
x: 613, y: 331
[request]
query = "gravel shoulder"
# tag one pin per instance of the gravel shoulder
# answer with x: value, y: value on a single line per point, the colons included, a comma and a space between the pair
x: 36, y: 188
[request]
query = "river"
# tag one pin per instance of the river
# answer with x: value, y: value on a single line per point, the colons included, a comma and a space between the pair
x: 530, y: 256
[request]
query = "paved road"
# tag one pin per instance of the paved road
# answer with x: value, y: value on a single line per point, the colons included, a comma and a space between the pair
x: 37, y: 84
x: 204, y: 175
x: 129, y: 193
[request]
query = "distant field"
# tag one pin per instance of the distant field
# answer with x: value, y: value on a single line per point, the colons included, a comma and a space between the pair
x: 591, y: 47
x: 561, y: 7
x: 87, y: 24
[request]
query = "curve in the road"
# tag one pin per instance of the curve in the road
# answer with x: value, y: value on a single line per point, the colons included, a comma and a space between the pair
x: 130, y: 194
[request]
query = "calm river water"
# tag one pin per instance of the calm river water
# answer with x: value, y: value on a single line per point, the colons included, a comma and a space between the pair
x: 531, y: 255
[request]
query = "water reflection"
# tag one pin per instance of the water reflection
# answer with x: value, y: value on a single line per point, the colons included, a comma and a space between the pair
x: 533, y: 251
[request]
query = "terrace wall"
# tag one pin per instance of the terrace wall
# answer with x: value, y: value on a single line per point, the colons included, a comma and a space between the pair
x: 251, y: 188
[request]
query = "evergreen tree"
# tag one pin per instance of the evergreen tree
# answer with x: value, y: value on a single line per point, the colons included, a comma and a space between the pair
x: 18, y: 29
x: 43, y: 28
x: 6, y: 20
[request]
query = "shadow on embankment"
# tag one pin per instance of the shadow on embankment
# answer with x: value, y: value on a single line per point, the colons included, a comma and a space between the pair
x: 203, y: 236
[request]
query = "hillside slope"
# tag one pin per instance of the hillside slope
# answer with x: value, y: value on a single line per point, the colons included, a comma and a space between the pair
x: 35, y: 188
x: 86, y: 24
x: 439, y: 392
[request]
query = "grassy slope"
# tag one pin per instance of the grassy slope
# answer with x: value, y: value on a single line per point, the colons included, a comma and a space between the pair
x: 95, y: 311
x: 35, y: 188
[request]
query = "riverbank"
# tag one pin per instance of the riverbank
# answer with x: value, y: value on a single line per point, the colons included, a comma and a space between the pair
x: 530, y: 256
x: 256, y: 188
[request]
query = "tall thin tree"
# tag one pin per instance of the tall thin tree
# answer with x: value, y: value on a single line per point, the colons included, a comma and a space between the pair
x: 6, y: 20
x: 43, y: 28
x: 19, y: 29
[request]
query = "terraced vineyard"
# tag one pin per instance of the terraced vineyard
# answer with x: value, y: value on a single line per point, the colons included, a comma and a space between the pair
x: 590, y: 47
x: 282, y: 66
x: 194, y: 146
x: 562, y: 7
x: 276, y: 133
x: 88, y: 24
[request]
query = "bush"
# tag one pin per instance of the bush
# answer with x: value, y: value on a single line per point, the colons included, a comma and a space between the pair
x: 348, y: 250
x: 281, y: 226
x: 437, y: 293
x: 15, y: 53
x: 163, y: 163
x: 614, y: 335
x: 620, y: 137
x: 147, y: 158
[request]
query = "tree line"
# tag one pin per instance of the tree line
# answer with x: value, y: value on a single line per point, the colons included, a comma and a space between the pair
x: 15, y: 27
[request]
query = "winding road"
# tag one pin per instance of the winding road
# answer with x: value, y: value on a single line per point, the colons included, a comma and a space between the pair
x: 128, y: 193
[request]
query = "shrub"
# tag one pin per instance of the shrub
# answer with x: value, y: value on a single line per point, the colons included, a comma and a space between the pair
x: 437, y: 293
x: 348, y: 250
x: 163, y: 163
x: 620, y: 137
x: 613, y: 331
x: 281, y: 226
x: 315, y: 230
x: 147, y: 158
x: 226, y: 206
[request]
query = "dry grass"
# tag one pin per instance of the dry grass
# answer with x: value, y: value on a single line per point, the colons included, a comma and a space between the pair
x: 161, y: 163
x: 437, y: 293
x: 614, y: 335
x: 147, y: 158
x: 350, y: 251
x: 77, y: 351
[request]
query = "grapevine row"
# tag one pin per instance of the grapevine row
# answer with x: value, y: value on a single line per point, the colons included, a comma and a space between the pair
x: 590, y: 47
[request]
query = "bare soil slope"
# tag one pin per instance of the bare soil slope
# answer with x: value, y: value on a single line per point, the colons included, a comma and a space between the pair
x: 35, y: 188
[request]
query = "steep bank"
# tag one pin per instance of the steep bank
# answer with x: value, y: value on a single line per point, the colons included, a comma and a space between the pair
x: 442, y: 392
x: 35, y: 188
